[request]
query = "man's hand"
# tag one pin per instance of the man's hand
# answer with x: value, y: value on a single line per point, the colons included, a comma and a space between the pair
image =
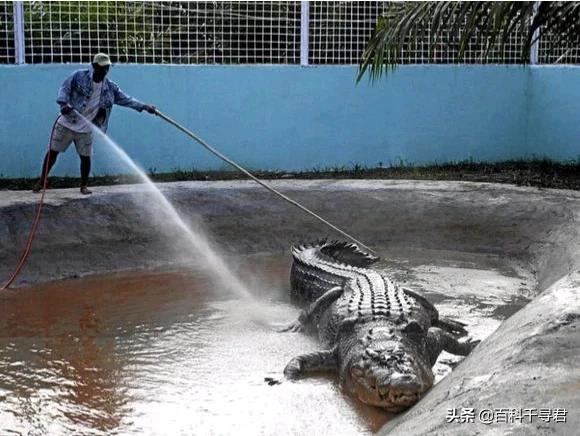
x: 150, y: 108
x: 66, y: 109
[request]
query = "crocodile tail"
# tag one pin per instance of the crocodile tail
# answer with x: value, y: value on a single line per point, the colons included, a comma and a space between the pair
x: 347, y: 253
x: 296, y: 249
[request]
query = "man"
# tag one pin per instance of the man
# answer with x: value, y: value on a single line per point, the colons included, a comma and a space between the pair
x: 91, y: 94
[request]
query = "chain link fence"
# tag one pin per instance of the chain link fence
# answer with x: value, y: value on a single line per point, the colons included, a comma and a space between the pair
x: 244, y: 32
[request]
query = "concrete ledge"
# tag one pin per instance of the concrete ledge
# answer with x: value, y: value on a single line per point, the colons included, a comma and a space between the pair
x: 114, y: 228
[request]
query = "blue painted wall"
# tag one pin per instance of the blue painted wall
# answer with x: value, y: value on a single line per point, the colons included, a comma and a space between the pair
x: 291, y: 118
x: 554, y: 113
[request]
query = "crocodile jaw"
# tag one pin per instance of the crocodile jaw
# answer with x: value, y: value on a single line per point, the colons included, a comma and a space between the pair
x: 390, y: 398
x: 391, y: 375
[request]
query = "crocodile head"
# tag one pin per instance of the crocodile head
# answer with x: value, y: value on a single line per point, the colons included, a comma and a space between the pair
x: 387, y: 367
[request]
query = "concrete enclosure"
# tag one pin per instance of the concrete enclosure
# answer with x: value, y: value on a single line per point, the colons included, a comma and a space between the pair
x: 293, y: 118
x: 534, y: 352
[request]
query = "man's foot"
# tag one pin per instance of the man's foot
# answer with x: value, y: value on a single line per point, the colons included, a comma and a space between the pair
x: 85, y: 190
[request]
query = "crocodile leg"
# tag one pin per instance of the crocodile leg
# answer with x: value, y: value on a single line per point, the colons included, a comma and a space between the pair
x: 427, y: 305
x: 308, y: 315
x: 451, y: 326
x: 311, y: 362
x: 447, y: 324
x: 439, y: 340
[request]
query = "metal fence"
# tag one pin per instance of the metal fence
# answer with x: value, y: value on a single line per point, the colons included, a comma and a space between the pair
x: 549, y: 52
x: 244, y: 32
x: 7, y: 33
x: 339, y: 32
x: 163, y: 32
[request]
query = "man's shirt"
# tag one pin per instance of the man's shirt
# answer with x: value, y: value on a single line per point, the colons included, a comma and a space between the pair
x: 77, y: 90
x: 89, y: 112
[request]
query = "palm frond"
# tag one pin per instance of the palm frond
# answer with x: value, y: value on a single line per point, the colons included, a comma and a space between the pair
x: 456, y: 25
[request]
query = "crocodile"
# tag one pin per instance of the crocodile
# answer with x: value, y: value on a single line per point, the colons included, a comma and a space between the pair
x: 382, y: 339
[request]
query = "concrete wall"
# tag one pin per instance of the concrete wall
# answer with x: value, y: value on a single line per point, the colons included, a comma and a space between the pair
x: 291, y: 118
x: 554, y: 112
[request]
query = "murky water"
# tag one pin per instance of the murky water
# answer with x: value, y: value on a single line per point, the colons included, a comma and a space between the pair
x: 165, y: 353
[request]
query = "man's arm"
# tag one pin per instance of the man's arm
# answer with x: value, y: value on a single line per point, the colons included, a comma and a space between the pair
x: 64, y: 94
x: 63, y: 97
x: 123, y: 99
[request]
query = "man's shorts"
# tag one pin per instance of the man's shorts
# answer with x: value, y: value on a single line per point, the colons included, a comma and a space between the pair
x: 62, y: 137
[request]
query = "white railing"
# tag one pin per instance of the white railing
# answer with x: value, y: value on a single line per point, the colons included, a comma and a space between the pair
x: 243, y: 32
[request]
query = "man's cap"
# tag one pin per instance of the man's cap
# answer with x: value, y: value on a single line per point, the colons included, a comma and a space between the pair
x: 102, y: 59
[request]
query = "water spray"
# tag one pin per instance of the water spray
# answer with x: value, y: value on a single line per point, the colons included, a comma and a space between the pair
x: 196, y: 239
x: 254, y: 178
x: 212, y: 258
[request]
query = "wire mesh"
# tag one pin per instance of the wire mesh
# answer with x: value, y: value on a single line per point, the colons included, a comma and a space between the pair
x: 7, y: 52
x: 552, y: 52
x: 341, y: 30
x: 243, y: 32
x: 163, y: 32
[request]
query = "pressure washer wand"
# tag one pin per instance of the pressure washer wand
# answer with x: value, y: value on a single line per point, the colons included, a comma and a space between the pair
x: 264, y: 184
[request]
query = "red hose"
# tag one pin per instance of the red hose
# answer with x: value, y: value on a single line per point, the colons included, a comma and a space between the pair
x: 28, y: 246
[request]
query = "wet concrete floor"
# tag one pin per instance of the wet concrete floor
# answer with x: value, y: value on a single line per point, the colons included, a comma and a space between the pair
x: 166, y: 352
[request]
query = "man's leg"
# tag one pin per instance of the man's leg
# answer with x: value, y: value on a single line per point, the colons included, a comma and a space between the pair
x: 60, y: 139
x: 84, y: 145
x: 49, y: 161
x: 85, y: 171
